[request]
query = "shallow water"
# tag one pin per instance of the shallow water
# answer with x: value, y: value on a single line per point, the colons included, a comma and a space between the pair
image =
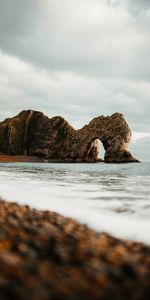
x: 108, y: 197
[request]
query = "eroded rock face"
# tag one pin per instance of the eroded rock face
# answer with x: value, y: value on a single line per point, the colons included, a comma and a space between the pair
x: 33, y: 133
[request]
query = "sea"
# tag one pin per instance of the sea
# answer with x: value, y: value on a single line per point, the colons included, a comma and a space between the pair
x: 112, y: 198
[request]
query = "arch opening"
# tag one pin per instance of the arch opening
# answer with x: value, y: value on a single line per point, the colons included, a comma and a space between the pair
x: 95, y: 151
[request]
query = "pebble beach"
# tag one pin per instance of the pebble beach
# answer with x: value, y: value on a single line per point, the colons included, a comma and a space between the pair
x: 44, y: 255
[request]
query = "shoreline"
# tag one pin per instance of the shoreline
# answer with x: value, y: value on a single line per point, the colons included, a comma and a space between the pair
x: 19, y: 158
x: 44, y: 255
x: 32, y: 159
x: 35, y: 159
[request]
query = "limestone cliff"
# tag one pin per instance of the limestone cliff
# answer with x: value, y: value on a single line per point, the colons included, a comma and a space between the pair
x: 33, y: 133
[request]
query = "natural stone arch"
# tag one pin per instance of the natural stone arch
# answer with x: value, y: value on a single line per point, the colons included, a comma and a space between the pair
x: 34, y: 133
x: 94, y: 151
x: 112, y: 131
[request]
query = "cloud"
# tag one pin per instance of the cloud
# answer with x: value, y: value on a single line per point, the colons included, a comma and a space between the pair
x: 140, y: 147
x: 89, y: 37
x: 77, y: 58
x: 23, y: 86
x: 138, y: 7
x: 138, y: 136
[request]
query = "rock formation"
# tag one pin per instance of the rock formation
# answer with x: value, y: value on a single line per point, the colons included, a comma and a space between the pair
x: 32, y: 133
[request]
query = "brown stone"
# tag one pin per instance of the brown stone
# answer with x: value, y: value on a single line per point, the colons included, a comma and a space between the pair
x: 32, y: 133
x: 44, y: 256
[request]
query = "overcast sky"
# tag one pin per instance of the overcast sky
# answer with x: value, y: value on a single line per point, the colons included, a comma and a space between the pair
x: 76, y: 58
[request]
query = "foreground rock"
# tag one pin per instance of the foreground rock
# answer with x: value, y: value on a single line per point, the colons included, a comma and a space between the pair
x: 46, y: 256
x: 34, y: 134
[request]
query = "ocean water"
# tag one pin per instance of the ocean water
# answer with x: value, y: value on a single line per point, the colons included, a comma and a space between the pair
x: 114, y: 198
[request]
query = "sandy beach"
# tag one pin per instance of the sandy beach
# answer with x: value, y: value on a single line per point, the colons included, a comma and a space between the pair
x: 44, y: 255
x: 32, y: 159
x: 19, y: 158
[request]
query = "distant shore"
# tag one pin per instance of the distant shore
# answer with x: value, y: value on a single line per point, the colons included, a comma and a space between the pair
x: 35, y: 159
x: 44, y: 255
x: 27, y: 158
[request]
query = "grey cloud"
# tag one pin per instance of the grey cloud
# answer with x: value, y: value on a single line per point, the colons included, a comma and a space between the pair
x: 16, y: 17
x: 138, y: 7
x: 76, y: 97
x: 140, y: 148
x: 76, y: 58
x: 70, y: 35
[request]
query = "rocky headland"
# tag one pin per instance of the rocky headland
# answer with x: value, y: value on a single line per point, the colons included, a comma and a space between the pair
x: 44, y: 256
x: 32, y: 134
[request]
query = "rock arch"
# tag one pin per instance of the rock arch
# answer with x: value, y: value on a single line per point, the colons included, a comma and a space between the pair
x: 53, y: 138
x: 114, y: 133
x: 93, y: 151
